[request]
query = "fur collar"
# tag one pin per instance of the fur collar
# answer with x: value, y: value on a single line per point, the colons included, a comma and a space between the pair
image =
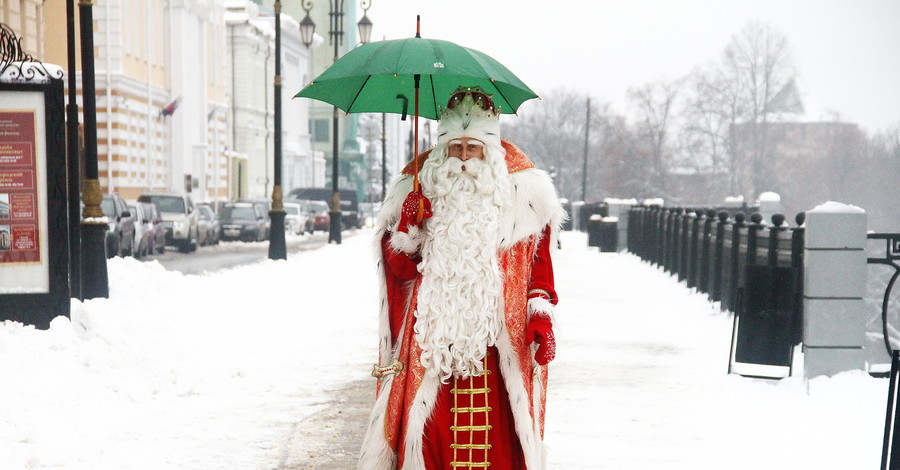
x: 533, y: 200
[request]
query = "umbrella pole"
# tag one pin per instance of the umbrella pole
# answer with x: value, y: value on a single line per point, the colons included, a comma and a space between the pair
x: 416, y: 188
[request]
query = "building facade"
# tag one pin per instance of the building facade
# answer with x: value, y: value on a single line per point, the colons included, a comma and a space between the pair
x: 160, y: 77
x: 26, y: 18
x: 251, y: 46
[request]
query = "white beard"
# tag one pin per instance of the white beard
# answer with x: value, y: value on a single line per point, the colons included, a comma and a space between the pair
x: 460, y: 297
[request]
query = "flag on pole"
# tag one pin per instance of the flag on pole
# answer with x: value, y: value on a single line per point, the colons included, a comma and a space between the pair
x: 170, y: 108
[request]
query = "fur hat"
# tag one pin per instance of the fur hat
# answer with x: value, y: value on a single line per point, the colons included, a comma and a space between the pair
x: 470, y: 113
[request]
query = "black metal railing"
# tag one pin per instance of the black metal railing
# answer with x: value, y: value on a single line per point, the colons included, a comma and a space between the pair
x: 710, y: 249
x: 716, y: 251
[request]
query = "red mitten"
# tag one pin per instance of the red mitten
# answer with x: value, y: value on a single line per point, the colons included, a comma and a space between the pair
x: 540, y: 330
x: 409, y: 212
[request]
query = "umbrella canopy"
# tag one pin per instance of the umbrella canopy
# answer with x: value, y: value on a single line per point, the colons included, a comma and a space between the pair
x: 380, y: 77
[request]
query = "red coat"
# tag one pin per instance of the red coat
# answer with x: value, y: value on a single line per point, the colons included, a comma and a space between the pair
x: 405, y: 415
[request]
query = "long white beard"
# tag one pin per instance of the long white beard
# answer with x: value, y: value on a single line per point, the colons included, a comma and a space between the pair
x: 460, y: 298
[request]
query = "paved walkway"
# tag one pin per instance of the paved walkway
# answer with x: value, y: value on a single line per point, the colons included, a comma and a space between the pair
x: 640, y: 382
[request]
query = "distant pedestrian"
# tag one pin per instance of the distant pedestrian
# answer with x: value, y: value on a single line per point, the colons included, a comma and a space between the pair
x: 466, y: 327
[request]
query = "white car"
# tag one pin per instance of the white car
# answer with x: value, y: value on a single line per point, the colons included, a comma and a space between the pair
x: 296, y: 217
x: 180, y: 217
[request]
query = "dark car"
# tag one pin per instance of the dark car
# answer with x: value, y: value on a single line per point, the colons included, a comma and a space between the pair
x: 264, y: 206
x: 241, y: 221
x: 156, y: 231
x: 120, y: 237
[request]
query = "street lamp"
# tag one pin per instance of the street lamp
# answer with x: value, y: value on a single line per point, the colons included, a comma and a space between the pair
x: 365, y: 24
x: 95, y: 277
x: 277, y: 244
x: 74, y: 183
x: 336, y: 38
x: 307, y: 26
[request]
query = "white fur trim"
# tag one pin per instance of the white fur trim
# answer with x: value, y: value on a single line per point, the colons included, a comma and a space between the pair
x: 468, y: 120
x: 526, y: 428
x: 407, y: 243
x: 541, y: 306
x: 419, y: 412
x: 533, y: 204
x: 376, y: 454
x: 389, y: 215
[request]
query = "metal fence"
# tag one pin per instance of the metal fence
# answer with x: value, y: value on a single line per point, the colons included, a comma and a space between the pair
x: 752, y: 268
x: 710, y: 249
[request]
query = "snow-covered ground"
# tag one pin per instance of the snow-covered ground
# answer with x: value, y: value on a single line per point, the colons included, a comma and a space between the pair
x: 210, y: 372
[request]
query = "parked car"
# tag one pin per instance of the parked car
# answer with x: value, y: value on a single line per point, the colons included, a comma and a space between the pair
x: 350, y: 217
x: 296, y: 216
x: 321, y: 220
x: 241, y: 221
x: 208, y: 231
x: 156, y: 232
x: 141, y: 230
x: 368, y: 211
x: 120, y: 237
x: 264, y: 206
x: 180, y: 218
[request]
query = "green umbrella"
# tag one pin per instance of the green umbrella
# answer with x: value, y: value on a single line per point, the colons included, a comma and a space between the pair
x: 369, y: 79
x: 383, y: 76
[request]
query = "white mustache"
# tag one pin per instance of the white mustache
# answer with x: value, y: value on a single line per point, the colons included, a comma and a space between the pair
x: 456, y: 167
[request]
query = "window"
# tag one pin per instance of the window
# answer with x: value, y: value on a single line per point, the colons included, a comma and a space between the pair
x: 320, y: 130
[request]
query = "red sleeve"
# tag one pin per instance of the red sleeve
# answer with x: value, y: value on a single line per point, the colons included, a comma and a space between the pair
x: 541, y: 284
x: 396, y: 263
x: 398, y: 270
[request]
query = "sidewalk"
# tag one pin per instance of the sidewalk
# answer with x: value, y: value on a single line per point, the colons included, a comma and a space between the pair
x: 267, y: 366
x: 640, y: 382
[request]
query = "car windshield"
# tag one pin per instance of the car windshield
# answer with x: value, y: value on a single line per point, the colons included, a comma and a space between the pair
x: 109, y: 208
x: 290, y: 209
x: 168, y: 203
x: 318, y: 206
x: 238, y: 213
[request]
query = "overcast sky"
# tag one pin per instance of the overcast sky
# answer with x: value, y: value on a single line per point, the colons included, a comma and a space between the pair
x: 847, y: 52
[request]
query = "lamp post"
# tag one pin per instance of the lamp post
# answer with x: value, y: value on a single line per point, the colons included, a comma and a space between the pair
x: 74, y: 183
x: 336, y: 38
x: 277, y: 245
x: 95, y: 278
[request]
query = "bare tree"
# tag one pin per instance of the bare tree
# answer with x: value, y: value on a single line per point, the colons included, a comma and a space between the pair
x: 759, y: 62
x: 710, y: 110
x: 654, y: 106
x: 553, y: 137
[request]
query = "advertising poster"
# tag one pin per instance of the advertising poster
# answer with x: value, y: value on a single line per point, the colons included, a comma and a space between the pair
x: 23, y: 253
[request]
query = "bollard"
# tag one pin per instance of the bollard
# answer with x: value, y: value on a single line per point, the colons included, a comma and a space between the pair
x: 834, y: 287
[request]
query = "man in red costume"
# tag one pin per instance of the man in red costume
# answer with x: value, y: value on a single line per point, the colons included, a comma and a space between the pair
x: 466, y: 327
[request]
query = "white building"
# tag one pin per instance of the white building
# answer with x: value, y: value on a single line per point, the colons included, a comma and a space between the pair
x: 251, y: 46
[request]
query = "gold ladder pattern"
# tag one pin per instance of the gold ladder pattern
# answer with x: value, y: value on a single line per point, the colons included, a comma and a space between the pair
x: 468, y: 449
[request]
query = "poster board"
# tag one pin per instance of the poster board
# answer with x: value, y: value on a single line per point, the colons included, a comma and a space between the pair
x: 33, y: 201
